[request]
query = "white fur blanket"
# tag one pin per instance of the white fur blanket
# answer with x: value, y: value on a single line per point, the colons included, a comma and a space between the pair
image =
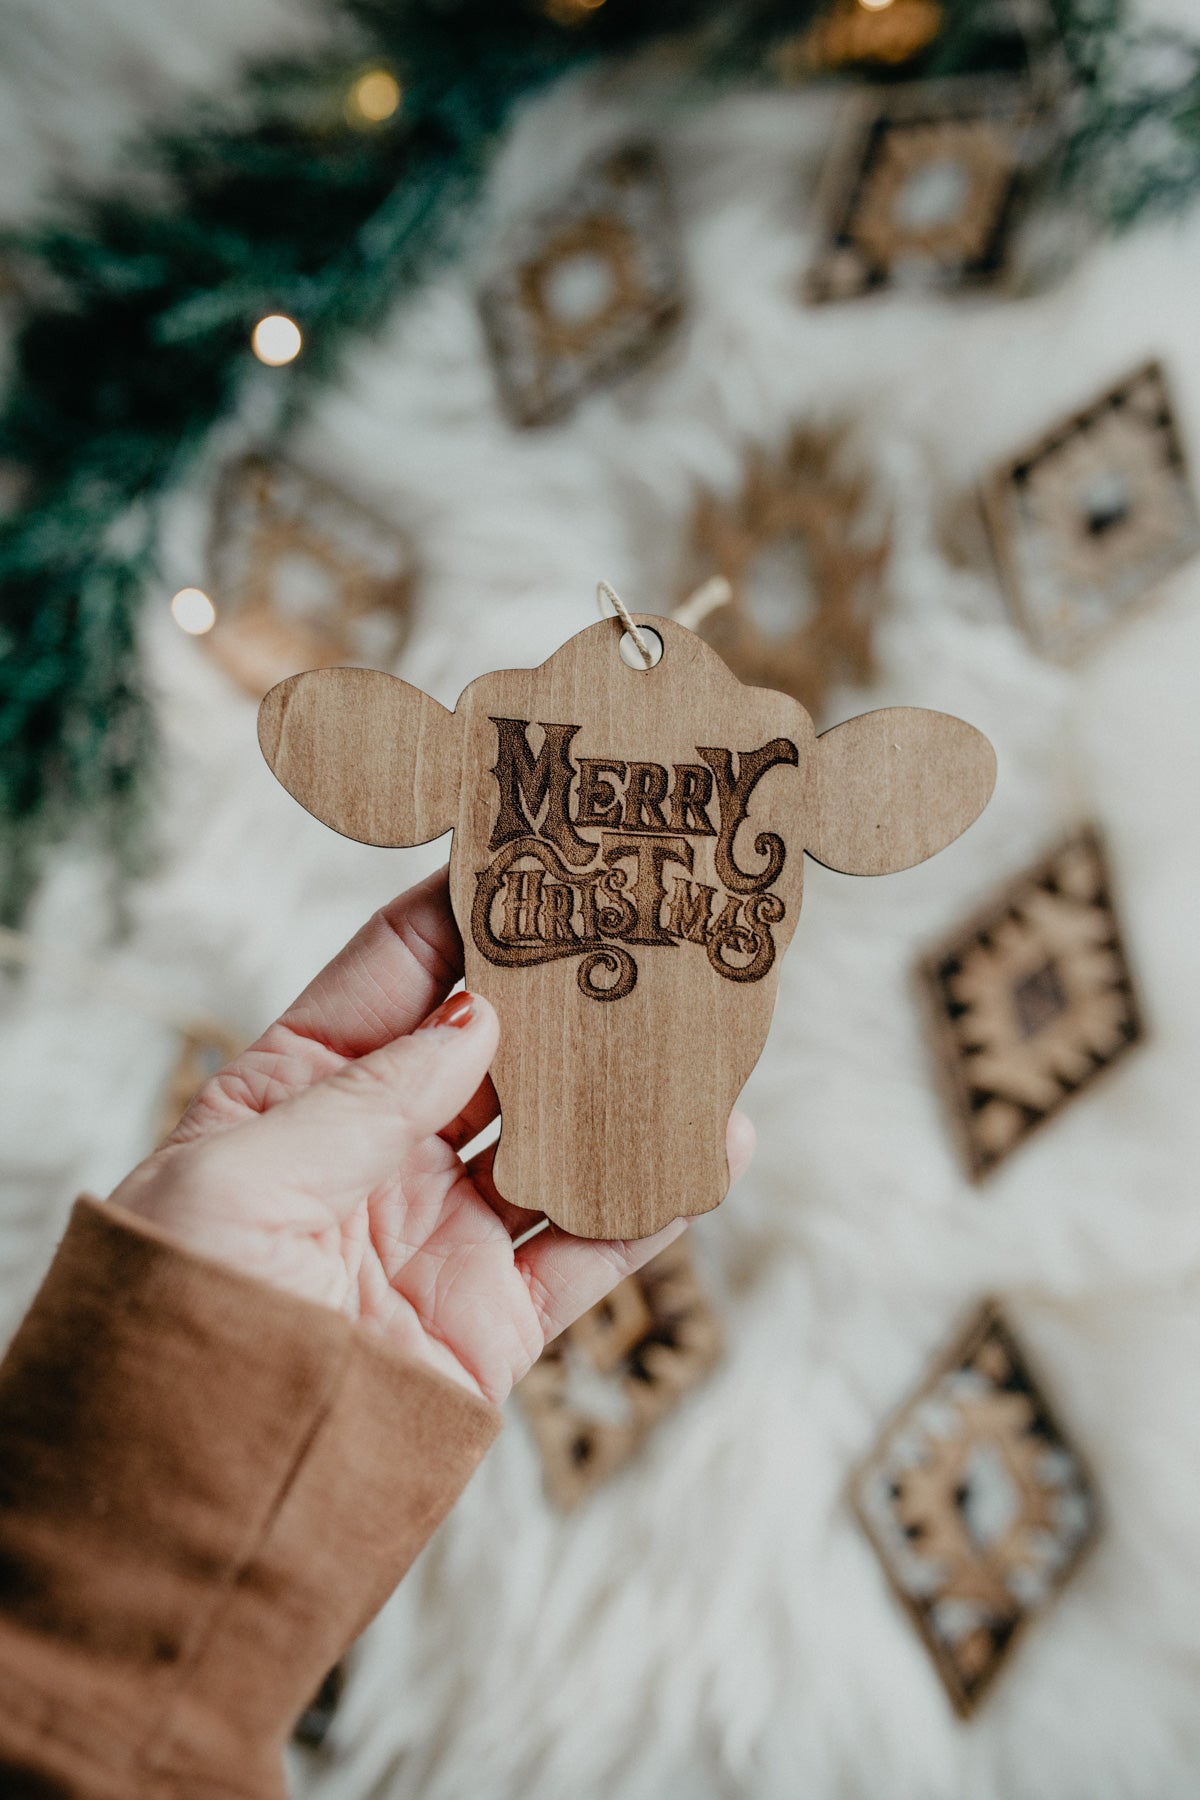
x: 714, y: 1623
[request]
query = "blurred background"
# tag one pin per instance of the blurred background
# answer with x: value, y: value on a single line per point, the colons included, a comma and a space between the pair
x: 866, y: 334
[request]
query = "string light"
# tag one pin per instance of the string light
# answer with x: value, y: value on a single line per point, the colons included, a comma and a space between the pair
x: 885, y: 32
x: 193, y: 611
x: 570, y: 12
x: 276, y: 340
x: 374, y: 97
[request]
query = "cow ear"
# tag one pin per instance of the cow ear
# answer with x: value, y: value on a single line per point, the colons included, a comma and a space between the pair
x: 364, y: 752
x: 895, y: 786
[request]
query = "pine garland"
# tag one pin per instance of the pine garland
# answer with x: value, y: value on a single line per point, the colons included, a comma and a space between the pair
x: 138, y: 344
x: 1134, y: 146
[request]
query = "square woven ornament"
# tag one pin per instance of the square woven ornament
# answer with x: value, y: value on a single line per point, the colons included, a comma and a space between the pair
x: 599, y: 1389
x: 1087, y: 519
x: 302, y: 577
x: 978, y: 1505
x: 587, y: 290
x: 923, y: 190
x: 1031, y: 1000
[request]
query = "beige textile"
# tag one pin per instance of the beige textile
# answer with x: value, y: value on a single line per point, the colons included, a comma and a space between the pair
x: 207, y: 1488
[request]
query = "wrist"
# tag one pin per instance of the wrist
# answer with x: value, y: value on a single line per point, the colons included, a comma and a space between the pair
x: 192, y: 1206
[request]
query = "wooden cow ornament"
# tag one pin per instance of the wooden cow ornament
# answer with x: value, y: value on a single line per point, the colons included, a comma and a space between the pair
x: 627, y: 871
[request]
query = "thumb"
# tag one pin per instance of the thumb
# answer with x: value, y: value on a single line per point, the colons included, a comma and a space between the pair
x: 348, y: 1132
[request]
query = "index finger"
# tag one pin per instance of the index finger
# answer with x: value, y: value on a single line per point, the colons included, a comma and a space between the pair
x: 389, y: 977
x: 391, y: 974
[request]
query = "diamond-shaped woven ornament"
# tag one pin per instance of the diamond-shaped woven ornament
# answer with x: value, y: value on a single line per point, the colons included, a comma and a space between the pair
x: 1088, y: 519
x: 302, y: 577
x: 923, y: 190
x: 1031, y: 1001
x: 600, y: 1388
x: 585, y: 291
x: 978, y: 1505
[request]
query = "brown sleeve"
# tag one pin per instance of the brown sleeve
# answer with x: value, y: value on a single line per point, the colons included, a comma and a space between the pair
x: 206, y: 1490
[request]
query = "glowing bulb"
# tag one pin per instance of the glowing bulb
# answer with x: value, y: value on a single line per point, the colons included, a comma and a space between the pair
x: 193, y: 611
x: 569, y: 12
x: 875, y: 5
x: 276, y: 340
x: 374, y: 97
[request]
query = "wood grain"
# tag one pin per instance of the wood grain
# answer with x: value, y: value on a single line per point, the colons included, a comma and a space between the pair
x: 365, y: 752
x: 893, y: 787
x: 627, y: 872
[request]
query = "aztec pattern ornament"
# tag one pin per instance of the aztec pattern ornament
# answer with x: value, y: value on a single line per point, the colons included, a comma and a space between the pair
x: 977, y: 1504
x: 601, y: 1387
x: 810, y: 515
x: 1031, y: 1000
x: 587, y: 289
x: 1088, y: 519
x: 627, y: 871
x: 924, y: 190
x: 303, y: 577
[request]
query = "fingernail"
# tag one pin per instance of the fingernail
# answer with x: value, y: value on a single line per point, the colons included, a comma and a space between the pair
x: 458, y: 1011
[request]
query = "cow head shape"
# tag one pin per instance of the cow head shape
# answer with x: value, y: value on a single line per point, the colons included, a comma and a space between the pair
x: 627, y: 871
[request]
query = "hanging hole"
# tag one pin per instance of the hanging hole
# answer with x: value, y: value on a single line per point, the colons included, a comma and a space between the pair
x: 632, y: 655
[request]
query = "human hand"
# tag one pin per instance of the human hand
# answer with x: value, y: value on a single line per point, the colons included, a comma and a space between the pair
x: 325, y: 1160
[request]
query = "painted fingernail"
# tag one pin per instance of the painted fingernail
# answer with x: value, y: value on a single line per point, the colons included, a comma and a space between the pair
x: 458, y: 1011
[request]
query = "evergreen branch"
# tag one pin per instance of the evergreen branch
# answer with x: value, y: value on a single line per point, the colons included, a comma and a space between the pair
x: 138, y: 344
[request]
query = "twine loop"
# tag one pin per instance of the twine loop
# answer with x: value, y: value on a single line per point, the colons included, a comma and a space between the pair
x: 605, y: 592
